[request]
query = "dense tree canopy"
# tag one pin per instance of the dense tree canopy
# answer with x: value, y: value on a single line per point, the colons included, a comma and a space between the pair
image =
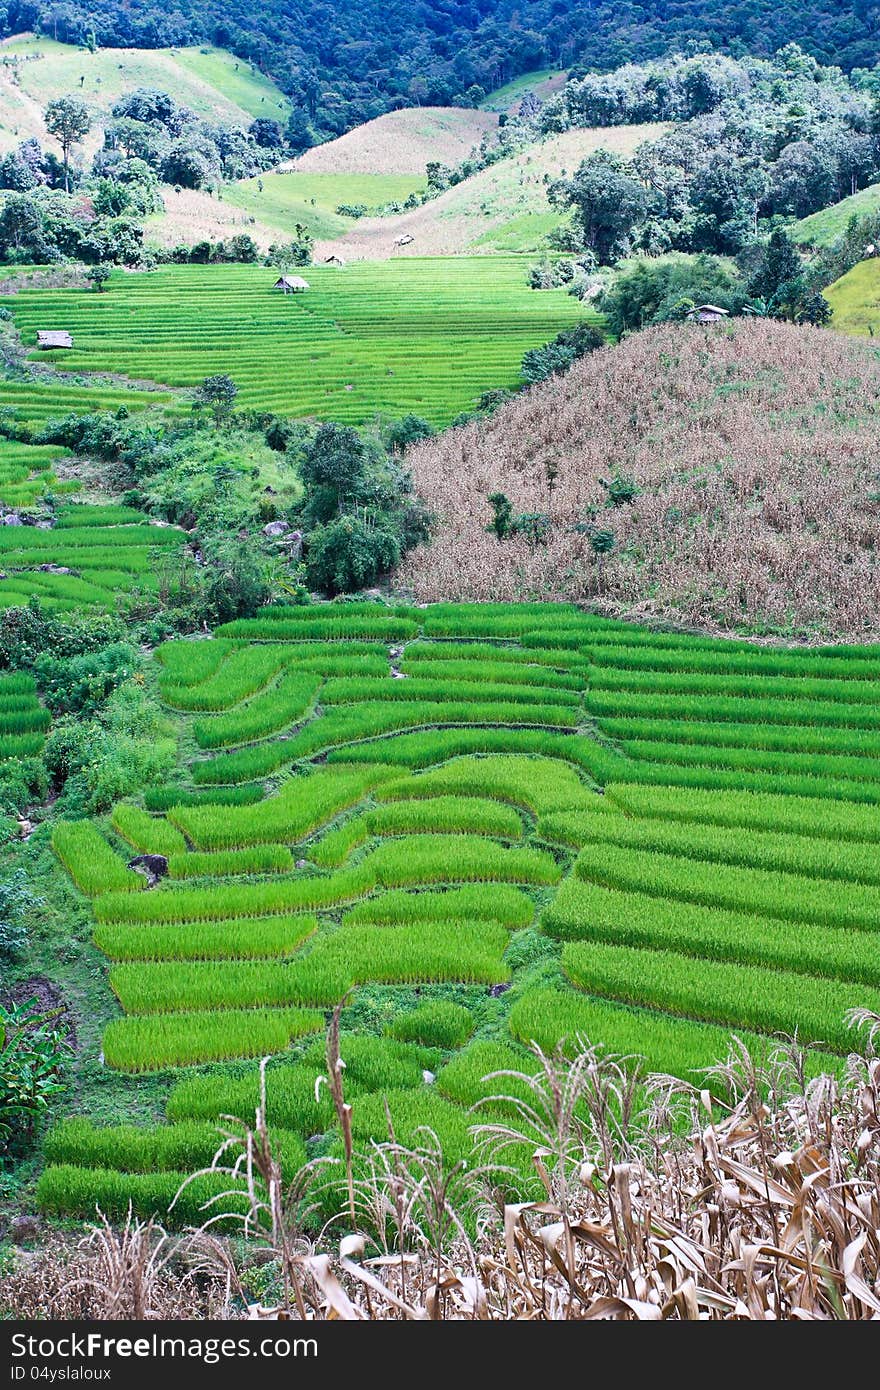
x: 346, y: 61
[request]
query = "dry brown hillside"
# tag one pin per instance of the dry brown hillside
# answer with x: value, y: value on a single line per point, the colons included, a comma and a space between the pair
x: 472, y: 215
x: 755, y: 448
x: 401, y: 142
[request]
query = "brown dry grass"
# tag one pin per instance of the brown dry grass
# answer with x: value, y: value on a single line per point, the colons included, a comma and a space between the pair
x: 657, y: 1205
x: 457, y: 220
x: 192, y: 215
x: 400, y: 142
x: 755, y: 447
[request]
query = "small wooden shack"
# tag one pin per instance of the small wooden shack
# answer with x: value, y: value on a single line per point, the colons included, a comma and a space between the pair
x: 48, y: 340
x: 707, y: 313
x: 291, y: 284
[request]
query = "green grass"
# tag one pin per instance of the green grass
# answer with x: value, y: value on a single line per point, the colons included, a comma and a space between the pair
x: 277, y: 708
x: 154, y: 1042
x: 855, y: 299
x: 242, y: 672
x: 667, y: 1044
x: 92, y: 864
x: 396, y: 336
x: 808, y: 855
x: 133, y: 1149
x: 763, y: 892
x: 300, y: 807
x: 480, y: 902
x: 290, y: 197
x: 257, y: 859
x: 371, y: 1064
x: 539, y: 81
x: 823, y: 228
x: 419, y: 952
x: 213, y: 83
x: 150, y: 834
x: 798, y: 815
x: 537, y: 784
x: 239, y: 938
x: 463, y: 815
x: 69, y: 1190
x: 591, y: 912
x: 436, y: 1023
x: 726, y: 878
x: 720, y: 992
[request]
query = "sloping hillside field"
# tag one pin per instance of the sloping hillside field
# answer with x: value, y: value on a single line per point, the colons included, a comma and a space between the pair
x: 481, y: 826
x: 209, y: 81
x: 426, y: 336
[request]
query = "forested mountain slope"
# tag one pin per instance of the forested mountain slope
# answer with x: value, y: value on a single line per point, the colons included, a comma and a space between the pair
x: 349, y: 61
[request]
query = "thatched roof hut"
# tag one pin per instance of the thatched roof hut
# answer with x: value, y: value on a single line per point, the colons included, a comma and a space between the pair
x: 707, y: 313
x: 291, y: 284
x: 53, y: 339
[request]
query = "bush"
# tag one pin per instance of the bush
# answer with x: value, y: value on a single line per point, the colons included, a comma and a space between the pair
x: 557, y: 356
x: 350, y: 553
x: 33, y: 1052
x: 16, y: 903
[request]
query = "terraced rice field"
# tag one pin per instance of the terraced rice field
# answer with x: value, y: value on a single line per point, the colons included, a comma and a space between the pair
x: 421, y: 335
x: 26, y: 471
x: 33, y: 403
x: 485, y: 825
x: 23, y: 721
x: 71, y: 554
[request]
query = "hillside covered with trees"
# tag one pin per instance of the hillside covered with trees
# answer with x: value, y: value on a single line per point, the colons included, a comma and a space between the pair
x: 344, y: 63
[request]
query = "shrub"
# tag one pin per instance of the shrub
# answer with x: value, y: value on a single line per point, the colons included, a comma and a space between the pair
x: 350, y: 553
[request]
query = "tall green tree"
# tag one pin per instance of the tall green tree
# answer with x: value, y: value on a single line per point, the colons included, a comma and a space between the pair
x: 69, y: 120
x: 608, y: 200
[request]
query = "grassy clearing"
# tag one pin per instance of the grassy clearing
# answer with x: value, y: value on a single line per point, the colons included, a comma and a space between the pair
x: 855, y: 299
x: 823, y: 228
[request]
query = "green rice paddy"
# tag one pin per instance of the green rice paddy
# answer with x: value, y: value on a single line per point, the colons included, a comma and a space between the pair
x: 411, y: 335
x: 434, y: 857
